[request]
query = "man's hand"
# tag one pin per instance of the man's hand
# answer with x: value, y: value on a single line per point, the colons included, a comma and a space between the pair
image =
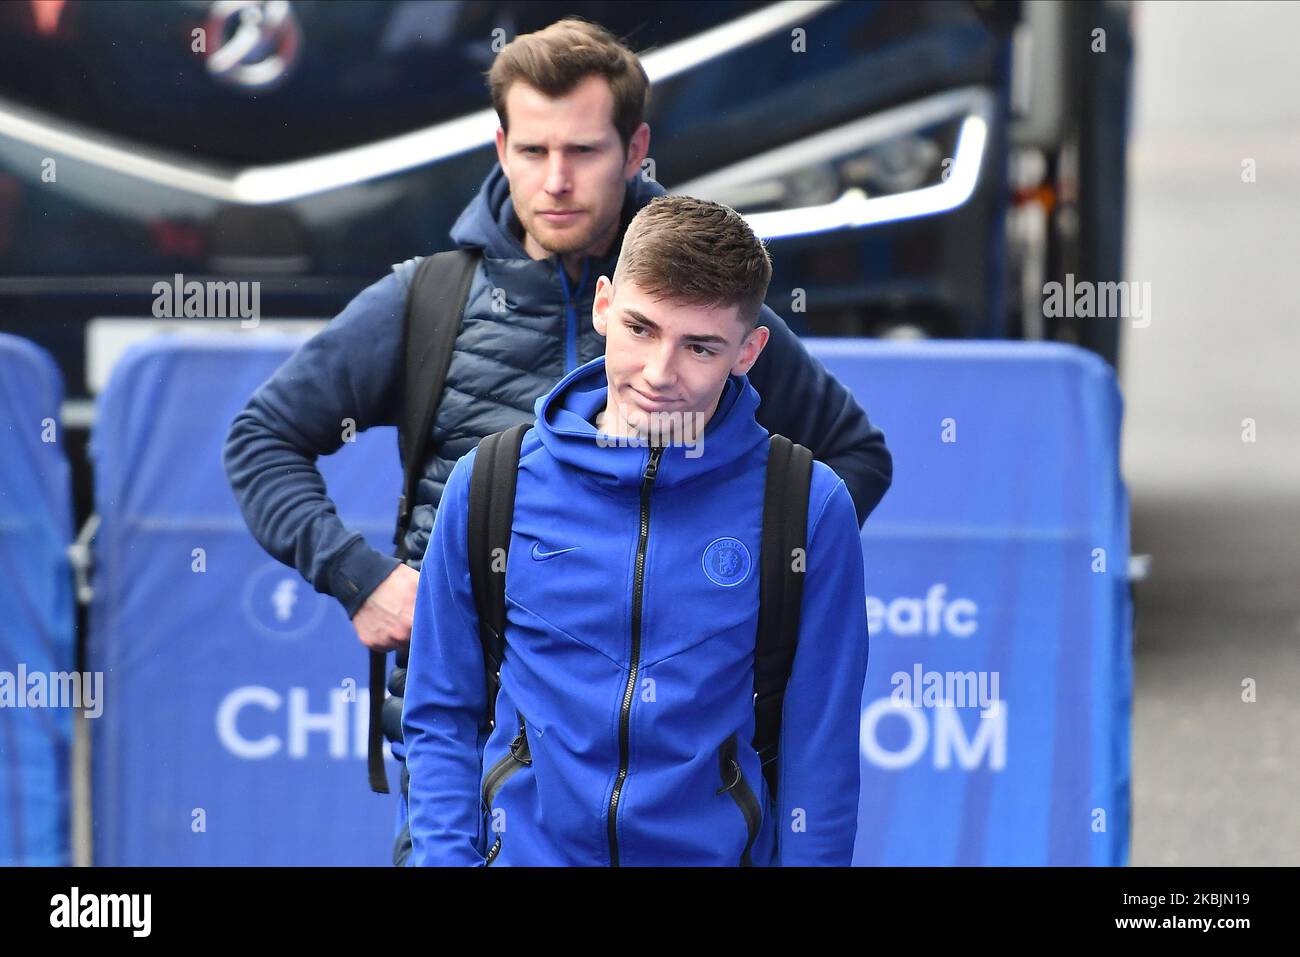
x: 383, y: 623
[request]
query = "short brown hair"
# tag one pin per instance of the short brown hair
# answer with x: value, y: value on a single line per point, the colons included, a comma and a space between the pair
x: 556, y: 59
x: 696, y: 252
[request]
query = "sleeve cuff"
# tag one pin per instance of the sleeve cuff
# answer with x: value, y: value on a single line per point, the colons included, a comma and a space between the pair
x: 356, y: 572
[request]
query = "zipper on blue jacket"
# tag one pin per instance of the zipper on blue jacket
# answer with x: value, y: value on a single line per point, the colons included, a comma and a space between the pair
x: 571, y: 313
x: 517, y: 756
x: 733, y: 782
x: 638, y: 590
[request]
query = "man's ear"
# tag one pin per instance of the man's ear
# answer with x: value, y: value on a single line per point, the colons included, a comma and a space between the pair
x: 501, y: 150
x: 751, y: 349
x: 638, y: 148
x: 602, y: 304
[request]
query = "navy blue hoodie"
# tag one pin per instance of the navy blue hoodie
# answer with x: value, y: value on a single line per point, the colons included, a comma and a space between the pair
x: 627, y: 682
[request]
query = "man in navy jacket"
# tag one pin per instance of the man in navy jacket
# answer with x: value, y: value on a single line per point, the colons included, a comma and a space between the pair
x: 548, y: 219
x: 625, y: 716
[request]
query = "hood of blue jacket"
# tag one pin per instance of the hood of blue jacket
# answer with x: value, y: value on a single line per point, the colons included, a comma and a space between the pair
x: 489, y: 221
x: 564, y: 425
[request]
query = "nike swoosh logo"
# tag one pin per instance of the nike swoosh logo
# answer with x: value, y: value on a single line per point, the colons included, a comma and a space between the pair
x: 541, y: 556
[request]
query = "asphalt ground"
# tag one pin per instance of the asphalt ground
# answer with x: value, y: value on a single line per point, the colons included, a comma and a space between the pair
x: 1216, y: 779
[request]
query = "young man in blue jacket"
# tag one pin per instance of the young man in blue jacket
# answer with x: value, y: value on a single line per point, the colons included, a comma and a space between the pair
x: 625, y: 715
x: 572, y: 100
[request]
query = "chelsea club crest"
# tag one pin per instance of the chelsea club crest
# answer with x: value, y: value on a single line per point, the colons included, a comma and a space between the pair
x: 726, y: 562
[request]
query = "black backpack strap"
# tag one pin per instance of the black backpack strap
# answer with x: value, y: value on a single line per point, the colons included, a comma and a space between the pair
x: 781, y: 568
x: 491, y: 518
x: 435, y: 302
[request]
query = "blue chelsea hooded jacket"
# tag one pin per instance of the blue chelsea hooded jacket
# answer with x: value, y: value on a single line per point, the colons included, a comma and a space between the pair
x: 626, y: 699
